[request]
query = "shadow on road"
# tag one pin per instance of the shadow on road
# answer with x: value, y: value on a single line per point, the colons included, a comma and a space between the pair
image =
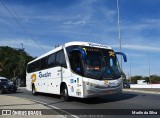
x: 105, y: 99
x: 97, y: 100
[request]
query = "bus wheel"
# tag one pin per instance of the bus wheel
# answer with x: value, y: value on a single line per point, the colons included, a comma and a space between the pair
x: 34, y: 90
x: 1, y: 91
x: 65, y: 94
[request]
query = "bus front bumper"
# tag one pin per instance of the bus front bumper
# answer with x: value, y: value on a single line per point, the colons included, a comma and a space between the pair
x: 96, y: 92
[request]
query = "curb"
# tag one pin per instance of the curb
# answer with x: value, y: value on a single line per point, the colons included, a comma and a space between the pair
x: 142, y: 91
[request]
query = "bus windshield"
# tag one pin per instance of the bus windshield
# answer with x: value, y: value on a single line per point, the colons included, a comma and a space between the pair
x: 101, y: 64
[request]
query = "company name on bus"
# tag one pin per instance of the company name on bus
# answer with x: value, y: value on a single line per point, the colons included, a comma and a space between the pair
x: 47, y: 74
x: 97, y: 45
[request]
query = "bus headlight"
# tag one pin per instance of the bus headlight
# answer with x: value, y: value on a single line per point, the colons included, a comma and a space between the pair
x: 90, y: 84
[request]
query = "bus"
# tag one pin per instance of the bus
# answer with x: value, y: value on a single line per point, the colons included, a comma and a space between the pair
x: 76, y: 69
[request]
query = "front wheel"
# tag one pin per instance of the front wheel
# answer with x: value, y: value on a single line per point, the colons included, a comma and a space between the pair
x: 65, y: 94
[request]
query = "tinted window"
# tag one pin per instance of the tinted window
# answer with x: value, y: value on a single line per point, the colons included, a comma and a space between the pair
x: 51, y: 61
x: 37, y: 65
x: 56, y: 59
x: 30, y: 68
x: 60, y: 59
x: 43, y: 63
x: 76, y: 64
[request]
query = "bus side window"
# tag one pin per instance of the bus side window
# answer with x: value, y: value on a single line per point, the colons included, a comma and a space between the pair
x: 29, y: 68
x: 32, y: 67
x: 60, y: 59
x: 38, y: 65
x: 51, y: 61
x: 43, y: 63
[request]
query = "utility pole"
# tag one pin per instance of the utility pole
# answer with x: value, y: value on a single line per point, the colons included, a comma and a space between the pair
x: 119, y: 33
x: 149, y: 67
x: 130, y: 70
x: 19, y: 81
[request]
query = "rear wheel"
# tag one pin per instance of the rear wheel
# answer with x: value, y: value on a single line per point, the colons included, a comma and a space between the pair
x: 64, y: 94
x: 0, y: 91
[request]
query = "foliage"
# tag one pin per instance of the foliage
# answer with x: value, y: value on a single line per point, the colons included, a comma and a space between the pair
x: 13, y: 63
x: 155, y: 79
x: 152, y: 79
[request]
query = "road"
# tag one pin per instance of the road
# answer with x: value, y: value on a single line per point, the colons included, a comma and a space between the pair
x: 124, y: 101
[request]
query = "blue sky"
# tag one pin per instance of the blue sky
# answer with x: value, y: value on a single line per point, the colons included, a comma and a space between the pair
x: 52, y: 22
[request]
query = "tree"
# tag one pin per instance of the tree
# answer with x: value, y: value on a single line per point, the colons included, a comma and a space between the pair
x: 13, y: 62
x: 152, y: 79
x: 1, y: 66
x: 135, y: 78
x: 155, y: 79
x: 146, y: 79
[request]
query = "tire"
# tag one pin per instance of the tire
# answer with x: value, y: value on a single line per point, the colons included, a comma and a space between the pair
x: 1, y: 91
x: 15, y: 91
x: 34, y: 90
x: 64, y: 94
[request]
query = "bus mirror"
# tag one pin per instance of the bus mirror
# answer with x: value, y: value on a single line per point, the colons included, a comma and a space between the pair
x: 82, y: 51
x: 122, y: 54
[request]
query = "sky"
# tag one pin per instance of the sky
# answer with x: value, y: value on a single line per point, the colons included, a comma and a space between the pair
x: 42, y: 24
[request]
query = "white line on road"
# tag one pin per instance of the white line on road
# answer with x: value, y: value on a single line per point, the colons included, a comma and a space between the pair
x: 72, y: 116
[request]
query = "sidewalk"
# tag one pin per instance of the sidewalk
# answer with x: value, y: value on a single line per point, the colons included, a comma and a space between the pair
x: 11, y: 102
x: 144, y: 90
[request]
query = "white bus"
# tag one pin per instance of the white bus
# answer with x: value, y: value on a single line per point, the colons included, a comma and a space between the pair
x: 77, y: 69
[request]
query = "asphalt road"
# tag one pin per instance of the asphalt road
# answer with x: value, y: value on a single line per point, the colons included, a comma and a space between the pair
x: 114, y: 103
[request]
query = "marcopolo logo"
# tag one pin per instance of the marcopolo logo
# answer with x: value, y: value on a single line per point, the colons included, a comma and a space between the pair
x: 97, y: 45
x: 47, y: 74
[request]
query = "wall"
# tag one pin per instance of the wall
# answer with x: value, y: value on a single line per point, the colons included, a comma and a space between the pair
x: 145, y: 86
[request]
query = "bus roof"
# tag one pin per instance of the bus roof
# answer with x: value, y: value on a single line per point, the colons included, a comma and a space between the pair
x: 89, y: 44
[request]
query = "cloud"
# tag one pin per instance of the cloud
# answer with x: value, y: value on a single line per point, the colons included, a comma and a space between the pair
x: 29, y: 45
x: 4, y: 22
x: 81, y: 22
x: 139, y: 47
x: 156, y: 20
x: 27, y: 42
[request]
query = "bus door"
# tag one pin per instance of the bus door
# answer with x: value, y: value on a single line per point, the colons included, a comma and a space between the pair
x: 59, y: 71
x: 76, y: 82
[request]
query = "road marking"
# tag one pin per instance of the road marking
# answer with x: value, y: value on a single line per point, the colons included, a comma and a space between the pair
x: 72, y: 116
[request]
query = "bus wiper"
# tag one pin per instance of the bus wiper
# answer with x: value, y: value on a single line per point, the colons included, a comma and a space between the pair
x: 108, y: 68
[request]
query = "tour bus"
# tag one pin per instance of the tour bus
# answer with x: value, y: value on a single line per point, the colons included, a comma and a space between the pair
x: 76, y: 69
